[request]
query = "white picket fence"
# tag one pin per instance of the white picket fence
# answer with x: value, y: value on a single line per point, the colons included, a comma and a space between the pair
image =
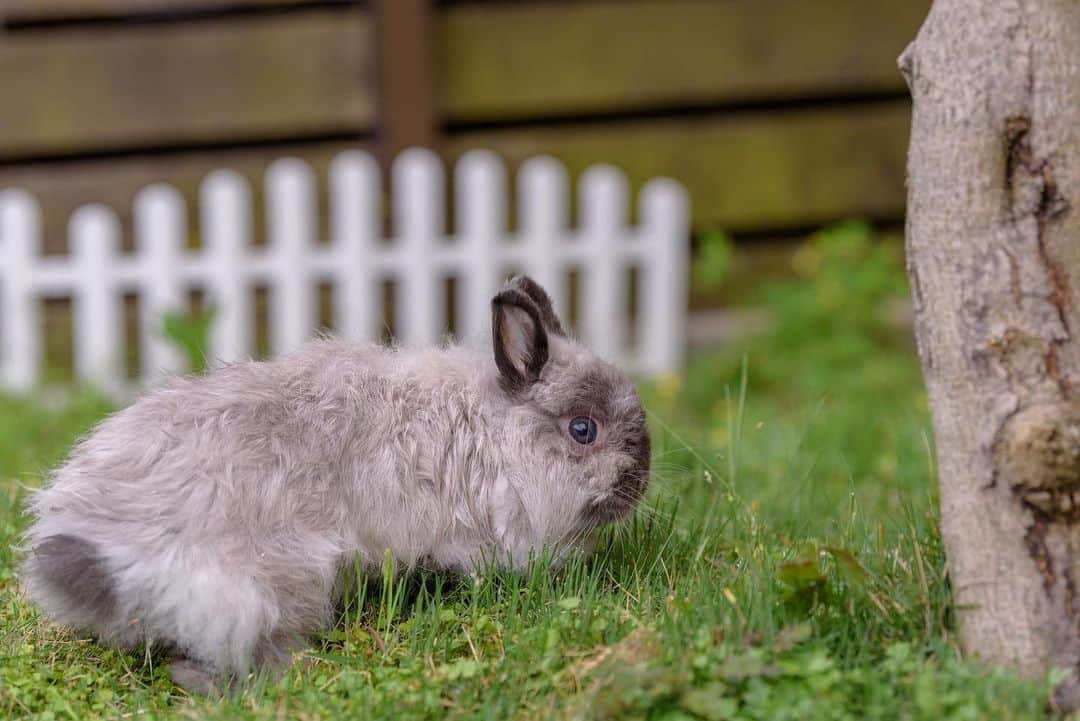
x: 355, y: 261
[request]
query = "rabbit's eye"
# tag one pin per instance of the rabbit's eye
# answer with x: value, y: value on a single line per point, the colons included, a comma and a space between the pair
x: 583, y: 430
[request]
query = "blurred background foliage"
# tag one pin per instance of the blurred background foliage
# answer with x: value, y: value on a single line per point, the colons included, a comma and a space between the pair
x: 833, y: 406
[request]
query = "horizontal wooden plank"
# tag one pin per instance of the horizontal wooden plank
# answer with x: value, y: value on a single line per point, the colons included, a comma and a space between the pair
x: 25, y: 10
x: 534, y: 59
x: 63, y: 187
x: 235, y: 78
x: 746, y: 171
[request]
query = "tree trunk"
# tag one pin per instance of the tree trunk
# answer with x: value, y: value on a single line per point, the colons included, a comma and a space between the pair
x: 993, y: 243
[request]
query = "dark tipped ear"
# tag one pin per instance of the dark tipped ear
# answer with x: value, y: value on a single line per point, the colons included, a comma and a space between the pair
x: 535, y: 291
x: 519, y: 338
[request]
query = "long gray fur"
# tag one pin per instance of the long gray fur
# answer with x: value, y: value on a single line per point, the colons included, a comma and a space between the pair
x: 216, y: 515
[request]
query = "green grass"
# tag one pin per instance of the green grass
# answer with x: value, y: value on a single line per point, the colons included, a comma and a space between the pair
x: 787, y: 565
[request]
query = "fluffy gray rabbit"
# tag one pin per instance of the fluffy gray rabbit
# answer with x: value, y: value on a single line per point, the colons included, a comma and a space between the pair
x: 217, y: 515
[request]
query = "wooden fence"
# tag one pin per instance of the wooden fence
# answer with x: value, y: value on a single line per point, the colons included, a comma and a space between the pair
x: 776, y: 114
x: 612, y: 261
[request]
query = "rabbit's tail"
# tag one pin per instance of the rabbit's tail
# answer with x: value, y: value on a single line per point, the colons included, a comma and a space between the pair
x: 66, y: 576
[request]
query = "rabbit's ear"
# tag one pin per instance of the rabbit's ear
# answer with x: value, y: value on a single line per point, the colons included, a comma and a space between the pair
x: 536, y: 292
x: 519, y: 337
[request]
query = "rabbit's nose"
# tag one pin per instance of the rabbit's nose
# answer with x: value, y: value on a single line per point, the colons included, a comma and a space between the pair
x: 638, y: 447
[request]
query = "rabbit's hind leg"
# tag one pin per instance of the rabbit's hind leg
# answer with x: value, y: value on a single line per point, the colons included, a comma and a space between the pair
x: 66, y: 575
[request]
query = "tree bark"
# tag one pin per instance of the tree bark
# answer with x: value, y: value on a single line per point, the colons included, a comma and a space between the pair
x: 993, y: 247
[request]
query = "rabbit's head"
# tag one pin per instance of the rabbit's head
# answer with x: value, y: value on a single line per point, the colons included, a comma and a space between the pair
x: 577, y: 419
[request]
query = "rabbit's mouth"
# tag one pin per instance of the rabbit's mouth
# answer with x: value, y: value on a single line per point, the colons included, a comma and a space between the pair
x: 621, y: 500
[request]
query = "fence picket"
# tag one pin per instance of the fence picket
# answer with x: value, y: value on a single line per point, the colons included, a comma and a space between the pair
x: 542, y: 206
x: 20, y: 323
x: 160, y: 235
x: 290, y: 193
x: 603, y: 222
x: 98, y: 324
x: 419, y: 219
x: 664, y: 229
x: 226, y: 227
x: 355, y: 260
x: 481, y: 218
x: 354, y: 207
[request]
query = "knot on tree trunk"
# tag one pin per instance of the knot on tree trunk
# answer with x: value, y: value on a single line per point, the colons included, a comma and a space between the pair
x: 1032, y: 189
x: 1038, y: 453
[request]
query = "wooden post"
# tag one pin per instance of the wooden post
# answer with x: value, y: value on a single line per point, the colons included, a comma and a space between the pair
x: 405, y: 66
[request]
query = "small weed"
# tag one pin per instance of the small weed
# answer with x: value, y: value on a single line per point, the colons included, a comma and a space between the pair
x: 190, y: 334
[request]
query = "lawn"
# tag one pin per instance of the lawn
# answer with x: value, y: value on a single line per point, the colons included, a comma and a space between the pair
x: 787, y: 564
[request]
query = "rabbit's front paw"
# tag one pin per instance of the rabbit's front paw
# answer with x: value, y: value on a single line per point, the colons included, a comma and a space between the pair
x: 196, y: 677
